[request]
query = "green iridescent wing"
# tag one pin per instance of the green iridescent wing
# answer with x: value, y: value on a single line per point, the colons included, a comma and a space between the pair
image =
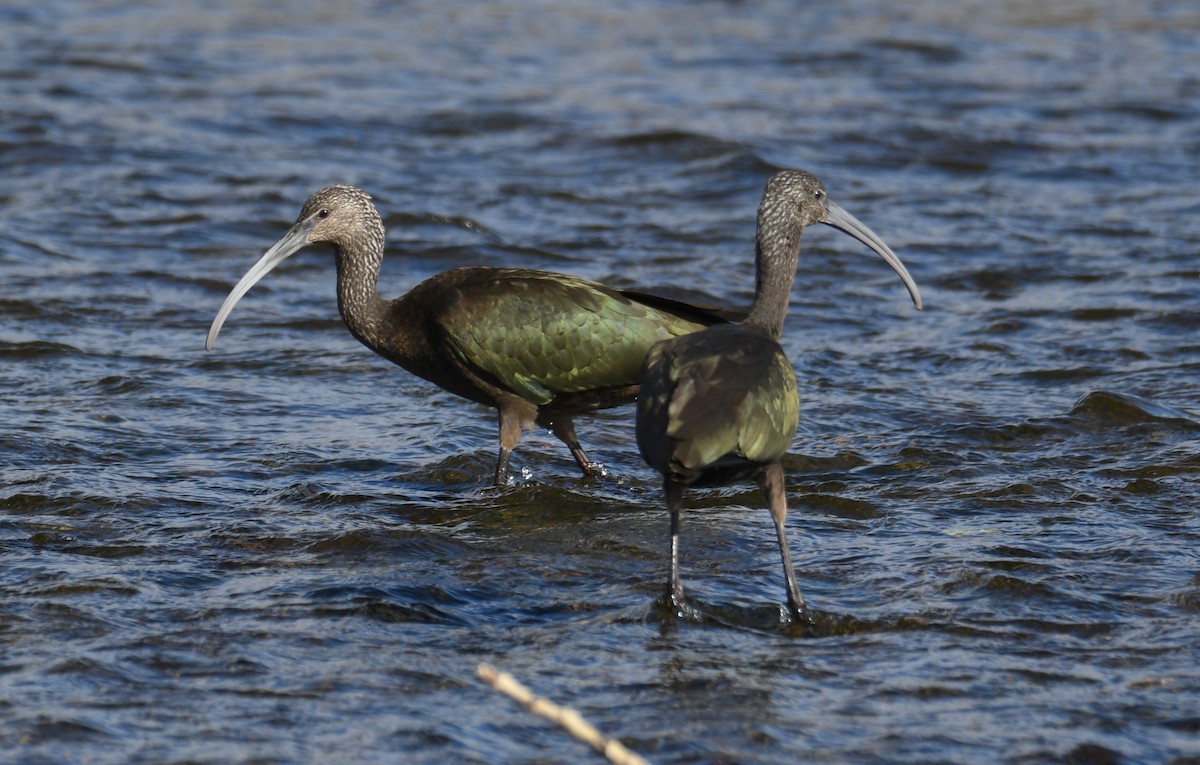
x: 540, y: 335
x: 726, y: 392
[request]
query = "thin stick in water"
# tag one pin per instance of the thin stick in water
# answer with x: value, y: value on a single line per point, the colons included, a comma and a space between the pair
x: 568, y: 718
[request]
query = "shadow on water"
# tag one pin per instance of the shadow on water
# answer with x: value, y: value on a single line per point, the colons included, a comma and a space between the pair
x: 772, y: 619
x: 1097, y: 412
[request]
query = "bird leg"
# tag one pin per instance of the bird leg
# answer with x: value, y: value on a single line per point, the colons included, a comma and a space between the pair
x: 512, y: 420
x: 501, y: 477
x: 770, y: 481
x: 674, y: 496
x: 563, y: 427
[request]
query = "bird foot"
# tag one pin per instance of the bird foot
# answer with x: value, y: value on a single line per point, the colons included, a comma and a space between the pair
x: 680, y: 608
x: 800, y: 617
x: 594, y: 470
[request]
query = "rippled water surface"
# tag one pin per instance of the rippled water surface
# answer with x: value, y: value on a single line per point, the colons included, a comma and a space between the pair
x: 286, y: 550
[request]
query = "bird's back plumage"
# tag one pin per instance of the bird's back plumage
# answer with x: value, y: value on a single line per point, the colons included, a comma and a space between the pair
x: 542, y: 335
x: 716, y: 404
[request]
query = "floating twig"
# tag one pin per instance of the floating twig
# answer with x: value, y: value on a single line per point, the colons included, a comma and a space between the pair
x: 568, y: 718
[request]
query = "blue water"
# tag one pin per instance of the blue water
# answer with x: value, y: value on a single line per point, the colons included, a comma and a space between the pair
x: 286, y: 550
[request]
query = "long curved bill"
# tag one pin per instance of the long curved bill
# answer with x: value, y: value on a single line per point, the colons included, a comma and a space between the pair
x: 295, y: 239
x: 845, y: 222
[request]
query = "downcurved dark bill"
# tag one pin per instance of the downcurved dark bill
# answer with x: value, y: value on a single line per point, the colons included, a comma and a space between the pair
x: 845, y: 222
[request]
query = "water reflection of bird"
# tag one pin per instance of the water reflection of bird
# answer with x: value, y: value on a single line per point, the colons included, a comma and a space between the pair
x: 538, y: 346
x: 721, y: 405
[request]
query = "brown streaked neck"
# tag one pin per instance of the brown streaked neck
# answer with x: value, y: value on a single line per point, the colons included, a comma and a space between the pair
x: 359, y: 256
x: 776, y: 256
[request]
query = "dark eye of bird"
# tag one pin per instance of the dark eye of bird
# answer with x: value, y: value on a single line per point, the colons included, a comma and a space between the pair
x: 323, y: 213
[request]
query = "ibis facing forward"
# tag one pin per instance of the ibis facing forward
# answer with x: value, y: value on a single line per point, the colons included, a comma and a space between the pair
x: 721, y: 405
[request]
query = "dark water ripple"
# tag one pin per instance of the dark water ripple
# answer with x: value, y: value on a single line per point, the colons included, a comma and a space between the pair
x: 285, y: 550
